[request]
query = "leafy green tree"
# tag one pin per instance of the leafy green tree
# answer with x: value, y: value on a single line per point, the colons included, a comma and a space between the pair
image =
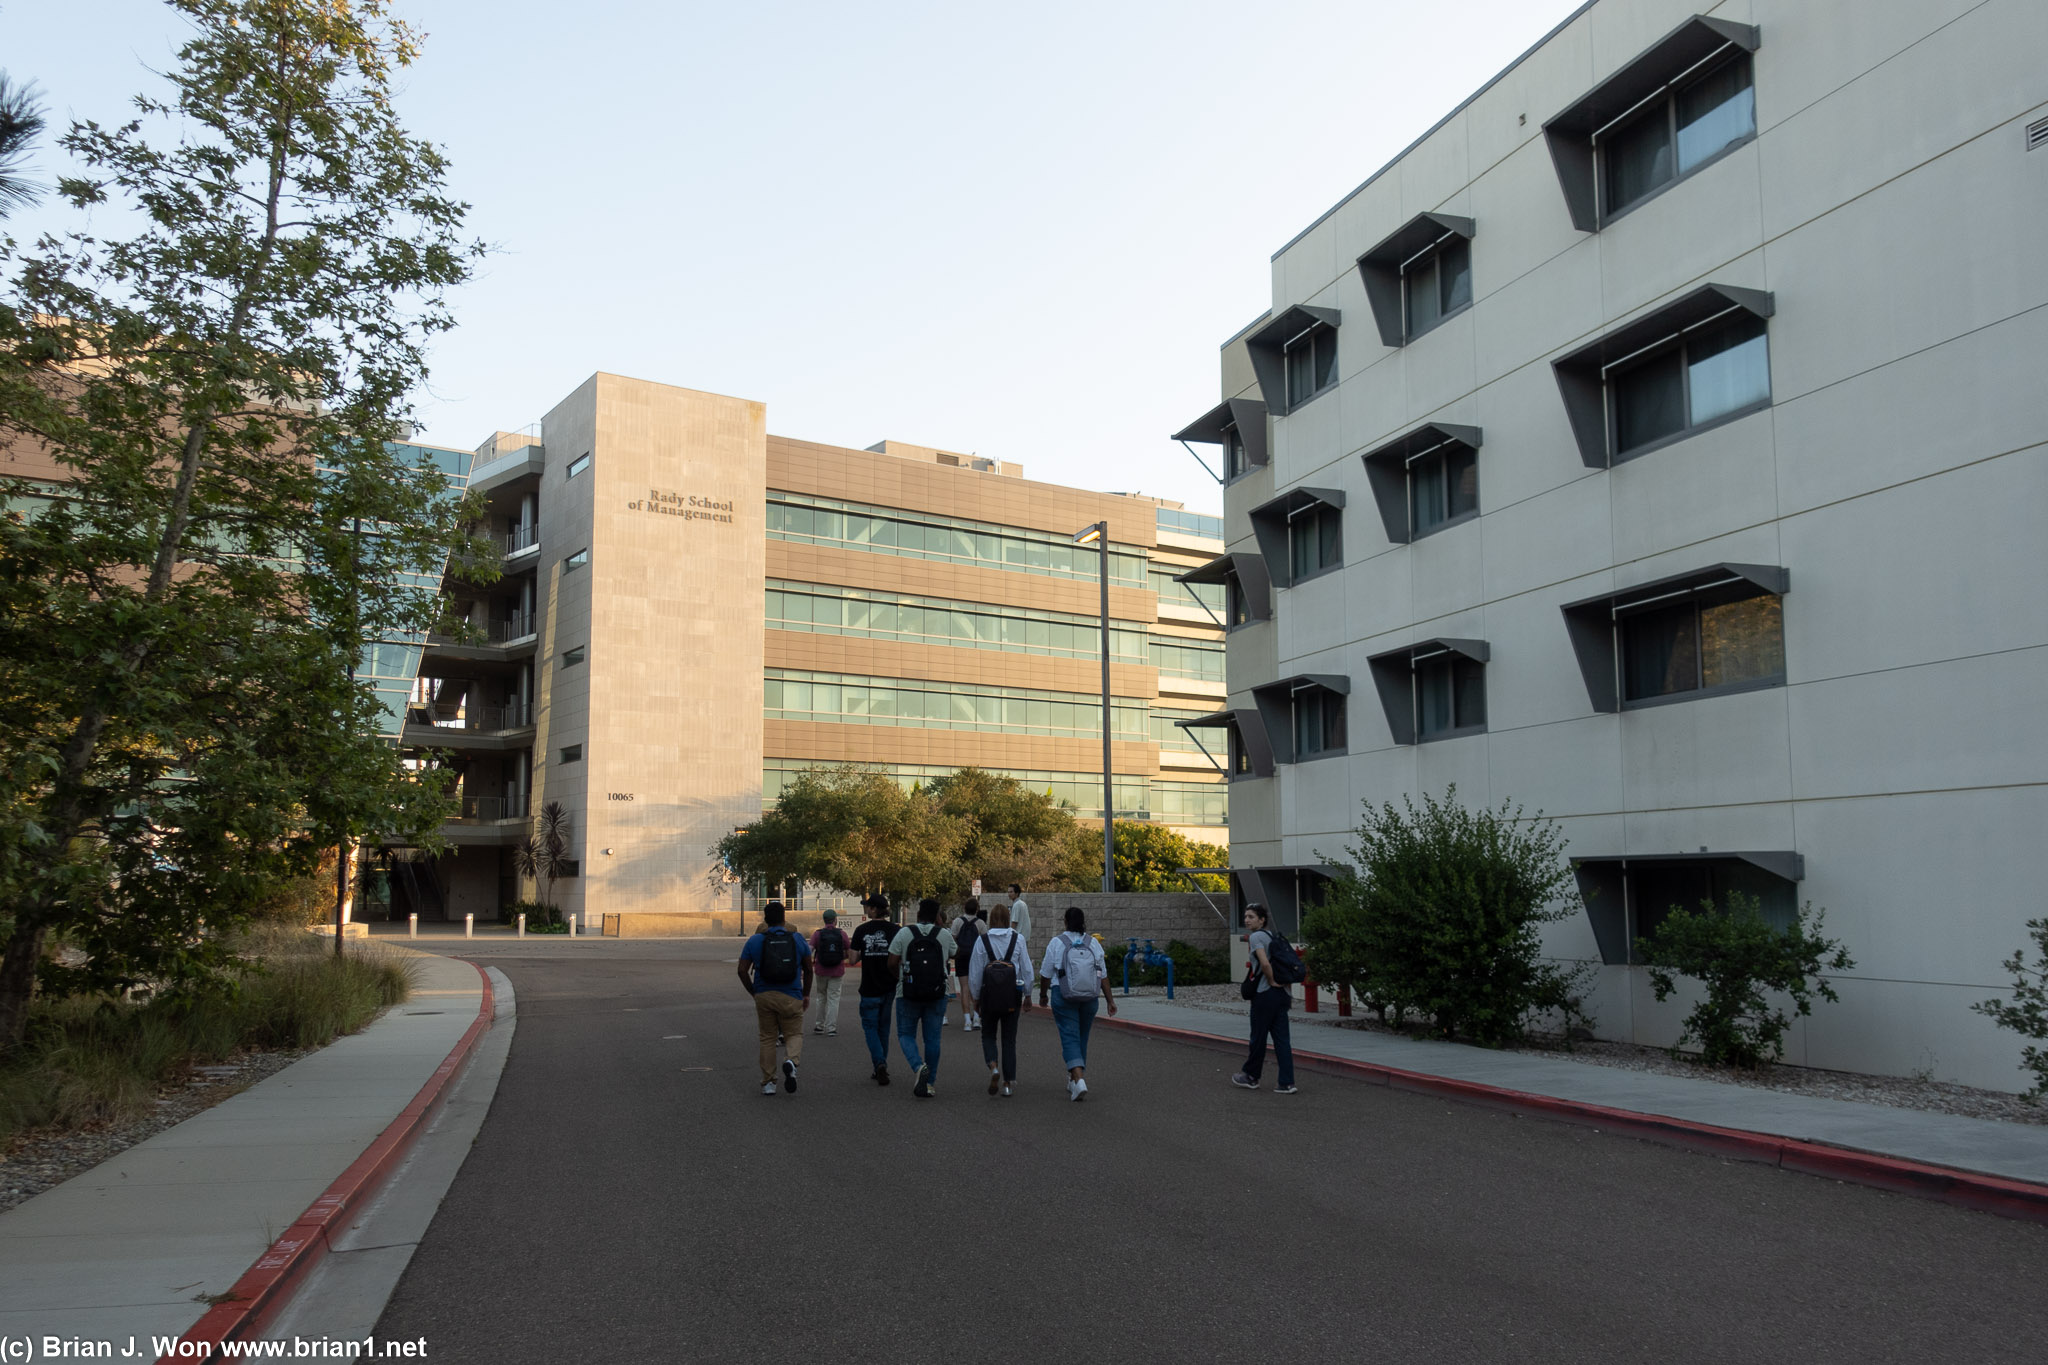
x: 21, y: 121
x: 1009, y: 833
x: 544, y: 854
x: 1739, y: 956
x: 1439, y: 918
x: 852, y: 828
x: 180, y: 609
x: 1147, y: 856
x: 2027, y: 1015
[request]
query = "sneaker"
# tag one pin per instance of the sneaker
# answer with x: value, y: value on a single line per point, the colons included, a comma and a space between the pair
x: 817, y: 1028
x: 1081, y: 1089
x: 995, y: 1081
x: 768, y: 1089
x: 881, y: 1075
x: 1070, y: 1090
x: 1006, y: 1092
x: 1247, y: 1082
x: 831, y: 1033
x: 789, y: 1076
x: 922, y: 1088
x: 1285, y: 1090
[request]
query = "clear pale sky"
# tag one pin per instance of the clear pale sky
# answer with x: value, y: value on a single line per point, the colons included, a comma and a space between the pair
x: 1017, y: 230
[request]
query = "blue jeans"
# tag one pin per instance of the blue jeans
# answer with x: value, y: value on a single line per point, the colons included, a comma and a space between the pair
x: 932, y: 1015
x: 1074, y: 1018
x: 1269, y: 1017
x: 874, y: 1022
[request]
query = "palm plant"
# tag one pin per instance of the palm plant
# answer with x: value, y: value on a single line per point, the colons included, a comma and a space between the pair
x: 544, y: 853
x: 21, y: 119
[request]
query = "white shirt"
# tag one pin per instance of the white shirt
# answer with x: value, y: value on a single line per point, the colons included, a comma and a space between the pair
x: 1020, y: 957
x: 1062, y: 944
x: 1020, y: 920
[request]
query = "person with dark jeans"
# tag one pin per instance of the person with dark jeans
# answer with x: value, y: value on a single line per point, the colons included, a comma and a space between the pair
x: 870, y: 948
x: 1075, y: 965
x: 920, y: 957
x: 1000, y: 995
x: 1270, y: 1002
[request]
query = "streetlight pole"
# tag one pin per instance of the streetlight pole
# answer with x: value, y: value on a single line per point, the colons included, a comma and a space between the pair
x: 1099, y: 534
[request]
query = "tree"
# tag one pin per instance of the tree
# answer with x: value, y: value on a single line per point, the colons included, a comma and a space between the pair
x: 1738, y: 956
x: 220, y: 390
x: 21, y: 122
x: 1009, y: 833
x: 1148, y: 858
x: 1439, y: 917
x: 544, y: 854
x: 2027, y: 1015
x: 852, y: 828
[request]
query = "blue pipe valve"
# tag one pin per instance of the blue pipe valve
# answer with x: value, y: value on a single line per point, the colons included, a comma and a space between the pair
x: 1148, y: 956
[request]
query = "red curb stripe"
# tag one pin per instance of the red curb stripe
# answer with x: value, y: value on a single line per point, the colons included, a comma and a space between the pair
x: 266, y: 1286
x: 1949, y: 1184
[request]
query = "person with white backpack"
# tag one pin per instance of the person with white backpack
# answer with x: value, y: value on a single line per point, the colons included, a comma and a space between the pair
x: 999, y: 990
x: 1076, y: 967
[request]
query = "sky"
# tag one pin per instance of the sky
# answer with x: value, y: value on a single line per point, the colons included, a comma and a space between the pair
x: 1017, y: 231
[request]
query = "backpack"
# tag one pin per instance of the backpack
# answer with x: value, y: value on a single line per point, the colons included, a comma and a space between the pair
x: 1288, y: 968
x: 779, y: 958
x: 963, y: 949
x: 924, y: 966
x: 1086, y: 985
x: 831, y: 946
x: 999, y: 979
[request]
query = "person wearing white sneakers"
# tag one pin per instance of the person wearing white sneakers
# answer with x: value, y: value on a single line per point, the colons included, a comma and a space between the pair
x: 775, y: 968
x: 967, y: 931
x: 1076, y: 967
x: 997, y: 974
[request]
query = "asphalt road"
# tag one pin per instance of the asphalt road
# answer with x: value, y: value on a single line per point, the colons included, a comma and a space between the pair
x: 633, y: 1197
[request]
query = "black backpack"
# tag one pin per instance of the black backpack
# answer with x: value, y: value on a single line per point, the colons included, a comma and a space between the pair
x: 999, y: 979
x: 924, y: 965
x: 831, y: 946
x: 963, y: 942
x: 1288, y: 968
x: 779, y: 958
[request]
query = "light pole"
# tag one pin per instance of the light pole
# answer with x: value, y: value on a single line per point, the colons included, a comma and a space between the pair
x: 1099, y: 535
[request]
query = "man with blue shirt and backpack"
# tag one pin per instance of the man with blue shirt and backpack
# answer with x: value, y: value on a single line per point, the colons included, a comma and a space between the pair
x: 776, y: 969
x: 919, y: 956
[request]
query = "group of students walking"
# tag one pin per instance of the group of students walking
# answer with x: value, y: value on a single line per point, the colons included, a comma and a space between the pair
x: 912, y: 972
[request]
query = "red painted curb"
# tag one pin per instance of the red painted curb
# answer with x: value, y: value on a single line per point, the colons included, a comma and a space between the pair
x: 266, y: 1285
x: 1952, y: 1185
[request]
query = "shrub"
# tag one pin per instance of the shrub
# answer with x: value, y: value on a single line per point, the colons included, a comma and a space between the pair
x: 1438, y: 920
x: 1738, y: 956
x: 540, y: 919
x: 1192, y: 966
x: 2027, y: 1015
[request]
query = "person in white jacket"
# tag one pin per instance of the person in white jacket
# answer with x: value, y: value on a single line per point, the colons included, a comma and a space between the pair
x: 1077, y: 968
x: 1002, y: 1006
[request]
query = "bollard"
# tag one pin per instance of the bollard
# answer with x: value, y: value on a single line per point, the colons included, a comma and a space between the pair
x: 522, y: 924
x: 412, y: 926
x: 1343, y: 1001
x: 469, y: 926
x: 1308, y: 997
x: 569, y: 922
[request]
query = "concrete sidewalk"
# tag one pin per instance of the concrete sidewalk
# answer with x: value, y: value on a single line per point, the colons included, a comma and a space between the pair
x: 131, y: 1247
x: 2013, y: 1151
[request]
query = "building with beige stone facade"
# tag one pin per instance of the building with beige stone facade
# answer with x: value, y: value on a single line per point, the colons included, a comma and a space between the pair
x: 692, y: 609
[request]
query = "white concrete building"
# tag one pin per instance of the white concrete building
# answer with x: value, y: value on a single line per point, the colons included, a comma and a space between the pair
x: 1661, y: 442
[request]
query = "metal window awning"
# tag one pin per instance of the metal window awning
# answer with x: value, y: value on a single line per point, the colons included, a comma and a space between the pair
x: 1381, y: 267
x: 1267, y: 347
x: 1247, y: 415
x: 1590, y: 620
x: 1253, y: 583
x: 1386, y: 469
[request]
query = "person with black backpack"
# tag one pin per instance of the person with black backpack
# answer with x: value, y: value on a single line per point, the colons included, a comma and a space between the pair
x: 1272, y: 967
x: 828, y: 949
x: 877, y: 980
x: 776, y: 969
x: 999, y: 990
x: 922, y: 955
x: 966, y: 930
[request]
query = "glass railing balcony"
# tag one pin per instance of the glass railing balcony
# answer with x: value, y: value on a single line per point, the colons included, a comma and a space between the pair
x: 493, y: 808
x: 511, y: 716
x: 521, y: 538
x: 516, y: 627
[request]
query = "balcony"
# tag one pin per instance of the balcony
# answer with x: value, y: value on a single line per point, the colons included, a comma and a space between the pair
x: 496, y: 729
x: 488, y: 808
x: 516, y: 627
x: 521, y: 541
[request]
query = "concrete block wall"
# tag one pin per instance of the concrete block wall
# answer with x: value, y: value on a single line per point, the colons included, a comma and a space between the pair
x: 1162, y: 916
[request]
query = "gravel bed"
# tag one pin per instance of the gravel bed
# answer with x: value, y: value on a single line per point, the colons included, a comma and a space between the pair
x: 41, y: 1159
x: 1899, y: 1092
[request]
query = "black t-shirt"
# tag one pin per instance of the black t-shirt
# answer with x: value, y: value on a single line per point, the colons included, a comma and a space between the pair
x: 870, y: 948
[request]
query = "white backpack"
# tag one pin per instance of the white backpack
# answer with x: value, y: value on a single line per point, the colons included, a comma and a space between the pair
x: 1079, y: 982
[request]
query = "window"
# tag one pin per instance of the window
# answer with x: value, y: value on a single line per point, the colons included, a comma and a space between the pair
x: 576, y: 561
x: 1235, y: 465
x: 1315, y: 541
x: 843, y: 699
x: 569, y: 867
x: 1450, y: 696
x: 572, y: 753
x: 1436, y: 283
x: 1680, y: 104
x: 1443, y: 487
x: 1719, y: 638
x: 1683, y: 129
x: 1695, y: 362
x: 579, y: 464
x: 1240, y: 756
x: 572, y: 657
x: 811, y: 520
x: 1628, y: 898
x: 1717, y: 629
x: 1318, y: 723
x: 1311, y: 364
x: 1238, y: 604
x: 1246, y: 594
x: 1695, y: 378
